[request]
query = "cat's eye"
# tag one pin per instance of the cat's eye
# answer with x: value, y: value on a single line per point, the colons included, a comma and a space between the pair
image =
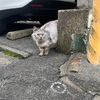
x: 42, y: 34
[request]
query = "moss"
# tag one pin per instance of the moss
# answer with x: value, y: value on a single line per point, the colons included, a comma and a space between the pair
x: 12, y: 54
x: 78, y: 44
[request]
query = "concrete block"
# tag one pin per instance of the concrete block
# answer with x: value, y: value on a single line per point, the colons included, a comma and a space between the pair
x: 84, y: 3
x: 71, y: 22
x: 19, y: 34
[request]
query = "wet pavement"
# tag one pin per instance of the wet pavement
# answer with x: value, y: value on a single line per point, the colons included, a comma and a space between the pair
x: 34, y: 78
x: 83, y: 75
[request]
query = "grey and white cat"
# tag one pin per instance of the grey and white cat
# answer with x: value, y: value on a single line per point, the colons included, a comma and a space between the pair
x: 46, y: 37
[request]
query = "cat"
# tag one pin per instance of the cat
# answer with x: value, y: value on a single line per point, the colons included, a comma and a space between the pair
x: 46, y: 37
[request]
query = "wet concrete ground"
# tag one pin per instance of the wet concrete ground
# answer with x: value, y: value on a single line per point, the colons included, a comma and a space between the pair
x: 34, y: 78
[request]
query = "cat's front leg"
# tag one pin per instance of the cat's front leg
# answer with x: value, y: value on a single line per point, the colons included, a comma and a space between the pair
x: 46, y: 51
x: 41, y: 51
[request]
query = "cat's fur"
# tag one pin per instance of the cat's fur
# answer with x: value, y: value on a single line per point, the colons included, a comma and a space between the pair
x: 46, y: 37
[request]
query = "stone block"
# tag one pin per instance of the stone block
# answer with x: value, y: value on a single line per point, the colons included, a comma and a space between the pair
x: 70, y: 23
x: 19, y: 34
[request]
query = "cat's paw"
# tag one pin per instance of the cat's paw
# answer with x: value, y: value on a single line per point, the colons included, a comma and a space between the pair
x: 40, y: 54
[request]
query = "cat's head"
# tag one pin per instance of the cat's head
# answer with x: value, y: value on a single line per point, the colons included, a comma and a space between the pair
x: 40, y: 34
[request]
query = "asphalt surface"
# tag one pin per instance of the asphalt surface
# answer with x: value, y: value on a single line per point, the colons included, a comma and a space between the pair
x: 34, y: 78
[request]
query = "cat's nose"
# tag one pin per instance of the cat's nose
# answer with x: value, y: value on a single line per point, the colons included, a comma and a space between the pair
x: 40, y: 38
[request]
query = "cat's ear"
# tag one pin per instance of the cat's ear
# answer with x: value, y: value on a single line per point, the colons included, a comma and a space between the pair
x: 35, y: 28
x: 43, y: 29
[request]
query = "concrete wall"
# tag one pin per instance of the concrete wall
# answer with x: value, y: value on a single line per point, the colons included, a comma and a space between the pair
x: 84, y: 3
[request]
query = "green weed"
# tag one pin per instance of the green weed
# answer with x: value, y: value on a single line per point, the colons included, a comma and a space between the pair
x: 12, y: 54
